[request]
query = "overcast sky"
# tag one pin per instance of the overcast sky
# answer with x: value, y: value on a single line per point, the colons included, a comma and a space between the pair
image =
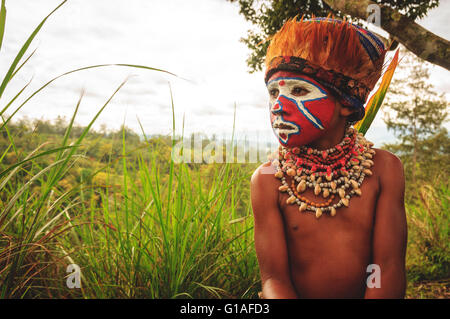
x: 197, y: 40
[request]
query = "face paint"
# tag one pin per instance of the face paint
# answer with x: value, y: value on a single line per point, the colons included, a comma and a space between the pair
x: 301, y: 109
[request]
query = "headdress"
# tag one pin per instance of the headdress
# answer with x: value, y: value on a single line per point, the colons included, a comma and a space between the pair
x: 341, y: 56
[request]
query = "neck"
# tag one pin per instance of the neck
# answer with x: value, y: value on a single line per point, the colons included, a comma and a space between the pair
x: 332, y: 138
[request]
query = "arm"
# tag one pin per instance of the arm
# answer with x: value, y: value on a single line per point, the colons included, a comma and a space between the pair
x: 390, y: 230
x: 270, y: 241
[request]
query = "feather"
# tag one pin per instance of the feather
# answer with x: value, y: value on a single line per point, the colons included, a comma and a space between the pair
x: 331, y: 44
x: 374, y: 103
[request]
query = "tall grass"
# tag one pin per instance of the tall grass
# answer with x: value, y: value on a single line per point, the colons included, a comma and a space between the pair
x: 166, y: 231
x: 167, y: 239
x: 429, y: 244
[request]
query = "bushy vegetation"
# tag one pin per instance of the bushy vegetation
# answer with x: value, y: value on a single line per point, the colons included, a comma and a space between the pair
x: 417, y: 114
x: 137, y: 224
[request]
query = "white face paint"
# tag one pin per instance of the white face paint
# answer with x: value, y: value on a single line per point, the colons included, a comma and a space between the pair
x: 291, y: 118
x: 296, y: 88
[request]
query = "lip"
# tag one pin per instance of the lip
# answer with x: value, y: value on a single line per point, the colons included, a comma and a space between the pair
x: 284, y: 129
x: 283, y: 126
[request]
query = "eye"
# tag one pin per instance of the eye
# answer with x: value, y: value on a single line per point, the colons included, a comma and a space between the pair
x: 299, y: 91
x: 273, y: 92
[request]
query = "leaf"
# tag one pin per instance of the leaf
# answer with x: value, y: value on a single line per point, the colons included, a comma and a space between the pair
x: 377, y: 98
x: 24, y: 48
x: 2, y: 22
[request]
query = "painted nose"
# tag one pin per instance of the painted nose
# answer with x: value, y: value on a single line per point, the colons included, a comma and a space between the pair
x: 282, y: 106
x: 276, y: 108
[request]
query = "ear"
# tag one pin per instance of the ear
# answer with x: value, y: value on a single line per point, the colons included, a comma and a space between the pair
x: 345, y: 111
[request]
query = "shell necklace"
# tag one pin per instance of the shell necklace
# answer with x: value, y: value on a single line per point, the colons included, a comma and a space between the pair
x: 338, y: 171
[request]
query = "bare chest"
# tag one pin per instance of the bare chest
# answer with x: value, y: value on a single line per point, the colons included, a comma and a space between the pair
x: 347, y: 234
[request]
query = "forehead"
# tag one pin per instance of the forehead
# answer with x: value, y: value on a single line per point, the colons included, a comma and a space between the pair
x: 291, y: 78
x: 286, y: 75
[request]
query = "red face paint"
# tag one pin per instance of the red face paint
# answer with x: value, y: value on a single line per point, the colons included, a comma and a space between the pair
x: 301, y: 109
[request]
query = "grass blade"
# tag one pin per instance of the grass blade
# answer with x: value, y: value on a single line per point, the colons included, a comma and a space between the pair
x: 24, y: 48
x: 2, y: 22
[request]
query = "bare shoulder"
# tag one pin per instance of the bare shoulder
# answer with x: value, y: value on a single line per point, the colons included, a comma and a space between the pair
x: 264, y: 188
x: 263, y: 176
x: 387, y: 165
x: 389, y: 169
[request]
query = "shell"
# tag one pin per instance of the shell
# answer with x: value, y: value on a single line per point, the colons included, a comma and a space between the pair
x: 326, y: 193
x: 358, y: 192
x: 318, y: 212
x: 333, y: 185
x: 354, y: 184
x: 367, y: 171
x: 368, y: 155
x: 366, y: 164
x: 291, y: 200
x: 303, y: 207
x: 345, y: 201
x: 333, y: 211
x: 279, y: 174
x: 317, y: 190
x: 341, y: 192
x: 301, y: 186
x: 312, y: 177
x: 329, y: 177
x: 283, y: 188
x: 291, y: 172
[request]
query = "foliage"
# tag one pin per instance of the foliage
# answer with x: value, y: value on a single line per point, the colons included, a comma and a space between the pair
x: 33, y: 193
x: 417, y: 114
x: 268, y: 16
x: 137, y: 224
x: 140, y: 226
x: 429, y: 244
x: 376, y: 100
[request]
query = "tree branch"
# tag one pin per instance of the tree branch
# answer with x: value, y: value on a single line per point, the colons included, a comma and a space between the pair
x: 414, y: 37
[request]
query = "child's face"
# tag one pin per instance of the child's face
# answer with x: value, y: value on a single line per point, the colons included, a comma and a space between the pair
x: 300, y: 108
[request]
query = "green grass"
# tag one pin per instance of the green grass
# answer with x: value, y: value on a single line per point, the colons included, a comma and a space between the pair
x: 429, y: 244
x: 165, y: 231
x: 158, y: 234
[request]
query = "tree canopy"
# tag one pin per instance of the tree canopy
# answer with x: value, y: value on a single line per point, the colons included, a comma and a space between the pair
x: 397, y: 18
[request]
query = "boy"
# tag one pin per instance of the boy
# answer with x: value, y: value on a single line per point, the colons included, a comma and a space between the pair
x: 329, y: 210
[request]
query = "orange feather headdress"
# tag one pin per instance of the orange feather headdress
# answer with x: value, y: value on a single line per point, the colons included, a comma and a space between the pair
x: 342, y: 56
